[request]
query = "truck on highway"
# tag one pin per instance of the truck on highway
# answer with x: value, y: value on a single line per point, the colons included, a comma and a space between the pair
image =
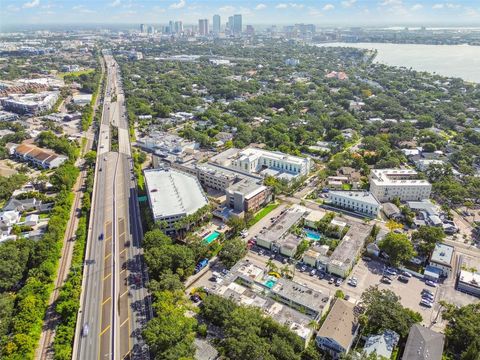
x: 201, y: 264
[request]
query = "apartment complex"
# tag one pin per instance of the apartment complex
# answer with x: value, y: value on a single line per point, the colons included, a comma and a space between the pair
x: 288, y: 302
x: 172, y: 195
x: 246, y: 195
x: 360, y: 202
x: 388, y: 184
x: 273, y: 163
x: 30, y: 103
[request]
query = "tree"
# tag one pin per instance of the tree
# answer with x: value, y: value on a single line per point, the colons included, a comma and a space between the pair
x: 426, y: 237
x: 398, y: 247
x: 393, y: 225
x: 236, y: 224
x: 65, y: 176
x: 232, y: 251
x: 383, y: 311
x: 462, y: 330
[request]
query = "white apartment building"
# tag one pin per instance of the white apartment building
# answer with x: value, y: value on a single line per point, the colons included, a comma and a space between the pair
x: 274, y: 163
x: 30, y: 103
x: 388, y: 184
x: 360, y: 202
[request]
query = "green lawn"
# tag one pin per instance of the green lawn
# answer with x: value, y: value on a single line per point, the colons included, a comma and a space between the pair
x: 75, y: 73
x: 346, y: 187
x: 262, y: 213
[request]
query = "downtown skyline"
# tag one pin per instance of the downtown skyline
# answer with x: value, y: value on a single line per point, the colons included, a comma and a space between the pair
x: 325, y: 12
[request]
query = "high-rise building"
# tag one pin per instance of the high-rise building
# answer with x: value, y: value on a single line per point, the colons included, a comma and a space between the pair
x: 216, y: 24
x: 151, y: 30
x: 203, y: 27
x: 230, y: 24
x: 171, y: 27
x: 250, y: 31
x: 178, y: 27
x: 143, y: 28
x: 237, y: 24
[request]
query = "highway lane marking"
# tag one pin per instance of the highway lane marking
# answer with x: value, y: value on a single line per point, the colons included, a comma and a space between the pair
x: 126, y: 291
x: 123, y: 323
x: 121, y: 252
x: 109, y: 298
x: 106, y: 277
x: 104, y: 330
x: 127, y: 355
x: 106, y: 257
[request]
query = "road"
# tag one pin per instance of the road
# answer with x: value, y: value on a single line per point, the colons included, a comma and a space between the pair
x: 113, y: 282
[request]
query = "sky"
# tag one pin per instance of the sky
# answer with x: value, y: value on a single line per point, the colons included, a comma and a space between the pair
x: 319, y: 12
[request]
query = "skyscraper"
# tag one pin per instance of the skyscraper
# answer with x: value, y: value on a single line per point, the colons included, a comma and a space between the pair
x: 216, y: 24
x: 203, y: 27
x: 237, y: 24
x: 143, y: 28
x: 178, y: 27
x: 171, y: 27
x: 230, y: 24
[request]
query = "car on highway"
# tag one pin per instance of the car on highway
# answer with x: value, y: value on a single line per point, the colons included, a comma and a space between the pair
x: 431, y: 283
x: 426, y: 303
x: 85, y: 330
x: 100, y: 237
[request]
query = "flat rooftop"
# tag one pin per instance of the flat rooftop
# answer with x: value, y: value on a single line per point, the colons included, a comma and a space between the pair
x: 246, y: 187
x: 404, y: 177
x: 345, y: 253
x: 172, y: 192
x: 363, y: 196
x: 442, y: 254
x: 254, y: 153
x: 469, y: 278
x: 281, y: 226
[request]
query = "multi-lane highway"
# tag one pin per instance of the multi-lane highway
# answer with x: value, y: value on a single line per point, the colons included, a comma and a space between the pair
x: 114, y: 303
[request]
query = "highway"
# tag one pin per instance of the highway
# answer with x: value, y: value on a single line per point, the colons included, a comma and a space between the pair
x: 114, y: 303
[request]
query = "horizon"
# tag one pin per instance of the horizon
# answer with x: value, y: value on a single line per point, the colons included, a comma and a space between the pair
x: 325, y: 13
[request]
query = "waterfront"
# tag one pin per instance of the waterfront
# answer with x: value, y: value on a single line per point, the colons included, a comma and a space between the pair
x: 448, y: 60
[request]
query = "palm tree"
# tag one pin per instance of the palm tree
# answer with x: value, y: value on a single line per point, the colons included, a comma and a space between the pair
x: 271, y: 265
x: 286, y: 272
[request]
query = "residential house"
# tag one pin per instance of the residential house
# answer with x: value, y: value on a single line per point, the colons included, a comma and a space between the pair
x: 423, y: 344
x: 382, y: 345
x: 338, y: 330
x: 442, y: 258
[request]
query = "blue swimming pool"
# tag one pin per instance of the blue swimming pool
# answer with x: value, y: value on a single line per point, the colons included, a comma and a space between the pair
x: 312, y: 235
x: 269, y: 283
x: 211, y: 237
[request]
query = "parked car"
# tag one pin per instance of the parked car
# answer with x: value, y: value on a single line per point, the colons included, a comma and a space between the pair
x: 390, y: 271
x: 321, y: 276
x: 427, y: 297
x: 426, y: 291
x: 353, y: 281
x: 403, y: 278
x: 313, y: 272
x: 195, y: 298
x: 303, y: 268
x: 386, y: 280
x: 331, y: 280
x: 426, y: 303
x: 407, y: 274
x: 338, y: 282
x: 366, y: 258
x: 431, y: 283
x: 261, y: 252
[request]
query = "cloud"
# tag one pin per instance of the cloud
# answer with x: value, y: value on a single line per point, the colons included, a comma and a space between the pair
x: 314, y: 12
x: 82, y: 9
x: 115, y: 3
x: 348, y: 3
x: 13, y: 8
x: 260, y: 7
x: 391, y: 2
x: 452, y: 6
x: 290, y: 5
x: 328, y: 7
x: 158, y: 9
x: 179, y: 5
x: 31, y: 4
x: 437, y: 6
x: 227, y: 8
x: 417, y: 7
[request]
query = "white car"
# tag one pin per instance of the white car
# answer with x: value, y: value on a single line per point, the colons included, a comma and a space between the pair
x: 426, y: 303
x: 353, y: 281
